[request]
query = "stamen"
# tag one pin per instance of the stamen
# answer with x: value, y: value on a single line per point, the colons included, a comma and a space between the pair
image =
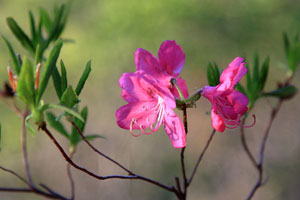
x: 253, y: 123
x: 133, y: 121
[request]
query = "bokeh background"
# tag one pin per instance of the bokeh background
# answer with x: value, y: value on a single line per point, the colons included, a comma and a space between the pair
x: 108, y: 32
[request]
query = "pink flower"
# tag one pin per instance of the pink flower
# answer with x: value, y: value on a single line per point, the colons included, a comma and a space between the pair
x: 168, y: 65
x: 149, y: 106
x: 228, y: 105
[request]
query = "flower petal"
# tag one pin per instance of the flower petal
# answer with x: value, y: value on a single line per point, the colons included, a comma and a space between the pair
x: 217, y: 121
x: 140, y: 112
x: 171, y: 57
x: 182, y: 85
x: 174, y: 129
x: 232, y: 74
x: 239, y: 102
x: 147, y: 63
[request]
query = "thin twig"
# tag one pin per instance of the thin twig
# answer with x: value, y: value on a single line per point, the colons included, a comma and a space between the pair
x: 185, y: 185
x: 99, y: 152
x: 15, y: 174
x: 132, y: 176
x: 201, y: 156
x: 24, y: 151
x: 245, y: 145
x: 259, y: 167
x: 70, y: 176
x: 51, y: 194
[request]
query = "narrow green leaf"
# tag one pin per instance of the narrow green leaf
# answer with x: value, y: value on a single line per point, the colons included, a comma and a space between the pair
x: 217, y: 73
x: 20, y: 35
x: 48, y: 69
x: 83, y: 78
x: 255, y: 73
x: 57, y: 125
x: 92, y: 137
x: 240, y: 88
x: 28, y: 126
x: 63, y: 108
x: 57, y: 82
x: 80, y: 124
x: 25, y: 88
x: 286, y: 43
x: 15, y: 62
x: 248, y: 80
x: 38, y: 55
x: 64, y: 79
x: 212, y: 74
x: 45, y: 19
x: 264, y: 73
x: 283, y: 93
x: 69, y: 98
x: 32, y: 28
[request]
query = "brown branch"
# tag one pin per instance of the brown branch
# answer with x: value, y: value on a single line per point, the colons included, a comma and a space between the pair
x: 259, y: 165
x: 245, y: 145
x: 99, y: 152
x: 185, y: 184
x: 70, y: 176
x: 201, y: 156
x: 130, y: 176
x: 24, y: 150
x: 30, y: 189
x: 15, y: 174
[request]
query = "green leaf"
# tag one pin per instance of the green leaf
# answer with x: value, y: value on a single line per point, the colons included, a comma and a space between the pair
x: 69, y: 98
x: 25, y: 88
x: 64, y: 79
x: 45, y: 19
x: 283, y: 93
x: 15, y: 62
x: 57, y: 82
x: 48, y: 69
x: 20, y: 35
x: 286, y: 43
x: 212, y: 74
x: 32, y: 28
x: 92, y: 137
x: 38, y: 55
x: 264, y: 73
x: 240, y: 88
x: 63, y: 108
x: 80, y: 124
x: 83, y: 78
x: 28, y: 126
x: 57, y: 125
x: 255, y: 73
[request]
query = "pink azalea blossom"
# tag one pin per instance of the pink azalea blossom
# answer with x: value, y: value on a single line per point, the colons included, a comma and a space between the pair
x: 168, y: 65
x: 228, y: 105
x: 149, y: 106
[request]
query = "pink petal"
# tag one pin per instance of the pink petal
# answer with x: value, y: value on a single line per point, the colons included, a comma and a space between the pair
x: 209, y: 92
x: 182, y: 85
x: 232, y: 74
x: 217, y: 121
x: 142, y: 112
x: 171, y: 57
x: 239, y: 102
x: 147, y: 63
x: 174, y: 129
x: 134, y: 87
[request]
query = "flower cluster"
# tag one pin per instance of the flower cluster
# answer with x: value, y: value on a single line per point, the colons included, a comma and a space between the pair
x: 151, y: 96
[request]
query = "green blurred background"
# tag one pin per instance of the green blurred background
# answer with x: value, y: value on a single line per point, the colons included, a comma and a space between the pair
x: 108, y: 32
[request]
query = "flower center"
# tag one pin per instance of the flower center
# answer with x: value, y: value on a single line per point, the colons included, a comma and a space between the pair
x: 226, y: 111
x: 158, y: 111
